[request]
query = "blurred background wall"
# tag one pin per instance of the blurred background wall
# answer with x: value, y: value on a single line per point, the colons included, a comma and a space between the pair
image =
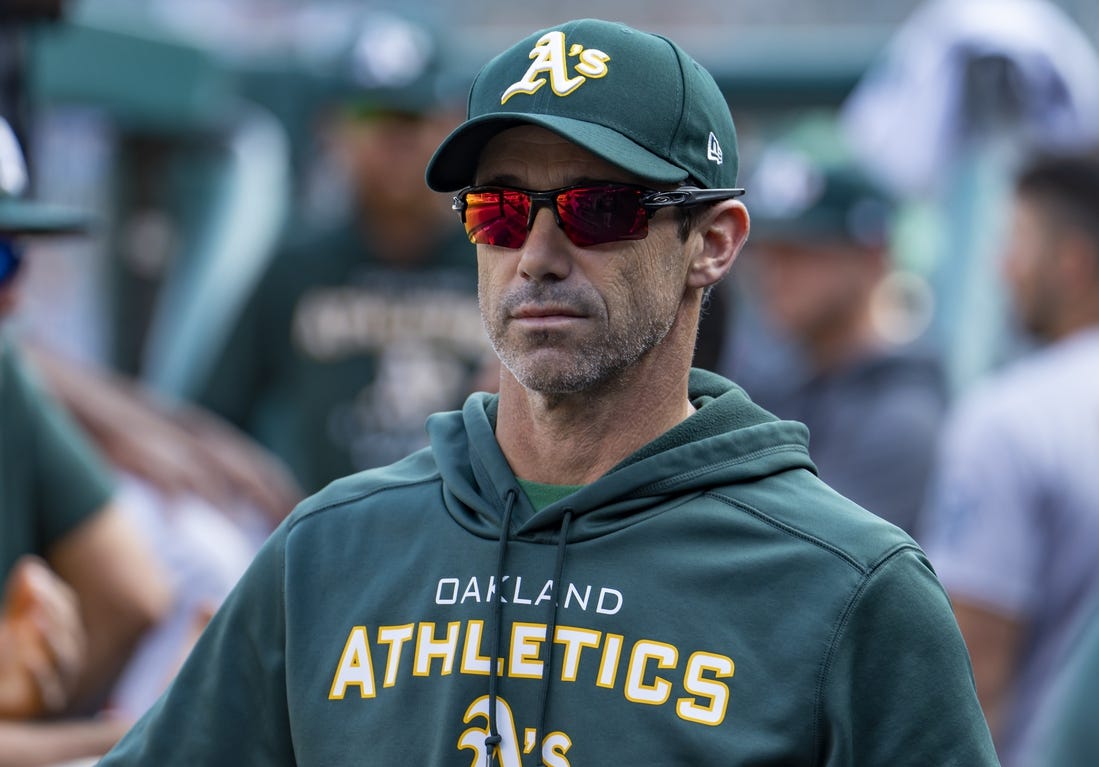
x: 187, y: 126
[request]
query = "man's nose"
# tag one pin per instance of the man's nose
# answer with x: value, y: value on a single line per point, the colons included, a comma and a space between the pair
x: 546, y: 255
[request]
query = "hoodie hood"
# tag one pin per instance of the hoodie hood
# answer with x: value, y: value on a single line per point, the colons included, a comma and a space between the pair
x: 728, y: 440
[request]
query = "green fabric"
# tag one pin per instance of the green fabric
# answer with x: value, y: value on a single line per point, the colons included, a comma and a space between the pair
x: 635, y: 99
x: 50, y: 479
x: 338, y: 359
x: 718, y: 605
x: 542, y: 495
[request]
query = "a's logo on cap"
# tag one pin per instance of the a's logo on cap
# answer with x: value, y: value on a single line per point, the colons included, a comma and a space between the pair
x: 550, y: 58
x: 713, y: 150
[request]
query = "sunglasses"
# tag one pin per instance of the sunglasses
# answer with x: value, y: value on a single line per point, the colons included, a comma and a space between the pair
x: 588, y: 214
x: 11, y: 256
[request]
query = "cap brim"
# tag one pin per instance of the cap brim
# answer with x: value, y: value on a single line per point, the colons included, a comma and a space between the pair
x: 22, y: 217
x: 455, y: 161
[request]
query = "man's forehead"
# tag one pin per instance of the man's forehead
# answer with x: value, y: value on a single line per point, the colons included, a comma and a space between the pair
x: 530, y: 150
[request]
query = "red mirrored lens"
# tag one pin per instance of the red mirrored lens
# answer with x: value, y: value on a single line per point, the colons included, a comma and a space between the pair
x: 594, y: 215
x: 497, y: 217
x: 589, y: 215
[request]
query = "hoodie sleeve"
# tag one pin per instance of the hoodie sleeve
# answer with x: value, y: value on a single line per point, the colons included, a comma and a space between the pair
x: 228, y: 704
x: 897, y: 687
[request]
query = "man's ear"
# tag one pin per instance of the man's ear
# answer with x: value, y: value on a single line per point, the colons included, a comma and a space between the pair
x: 724, y: 230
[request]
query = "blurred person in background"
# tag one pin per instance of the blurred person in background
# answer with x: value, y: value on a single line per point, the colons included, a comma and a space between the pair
x: 1013, y: 522
x: 819, y: 253
x: 362, y: 328
x: 179, y: 477
x: 82, y: 587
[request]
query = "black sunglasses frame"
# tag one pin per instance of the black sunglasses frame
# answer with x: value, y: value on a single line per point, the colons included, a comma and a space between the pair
x: 651, y: 200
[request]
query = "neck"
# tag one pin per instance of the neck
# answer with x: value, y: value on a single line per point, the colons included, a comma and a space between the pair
x: 573, y: 439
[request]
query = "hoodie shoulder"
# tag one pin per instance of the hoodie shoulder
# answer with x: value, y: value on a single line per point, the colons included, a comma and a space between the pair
x: 800, y: 505
x: 779, y: 485
x: 417, y: 469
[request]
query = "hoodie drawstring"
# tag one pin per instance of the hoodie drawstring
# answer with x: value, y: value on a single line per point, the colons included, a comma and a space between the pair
x: 494, y: 739
x: 551, y: 628
x: 492, y: 742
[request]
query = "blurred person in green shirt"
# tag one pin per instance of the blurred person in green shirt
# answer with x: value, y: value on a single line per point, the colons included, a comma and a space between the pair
x: 81, y: 587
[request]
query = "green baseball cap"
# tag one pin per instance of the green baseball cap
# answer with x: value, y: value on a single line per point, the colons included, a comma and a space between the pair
x: 19, y: 216
x: 633, y: 98
x: 394, y: 63
x: 806, y: 187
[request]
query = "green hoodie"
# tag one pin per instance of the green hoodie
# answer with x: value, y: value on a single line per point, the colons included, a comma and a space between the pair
x: 718, y: 604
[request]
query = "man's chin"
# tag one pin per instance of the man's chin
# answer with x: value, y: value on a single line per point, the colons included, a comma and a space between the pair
x: 550, y: 373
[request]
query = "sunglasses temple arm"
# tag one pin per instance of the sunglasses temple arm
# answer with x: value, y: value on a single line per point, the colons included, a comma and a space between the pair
x: 689, y: 196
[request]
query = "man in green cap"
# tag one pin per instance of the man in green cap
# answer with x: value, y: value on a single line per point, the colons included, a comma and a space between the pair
x: 616, y: 559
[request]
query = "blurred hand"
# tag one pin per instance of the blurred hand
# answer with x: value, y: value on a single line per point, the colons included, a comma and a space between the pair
x: 175, y: 447
x: 184, y: 449
x: 238, y: 462
x: 42, y: 642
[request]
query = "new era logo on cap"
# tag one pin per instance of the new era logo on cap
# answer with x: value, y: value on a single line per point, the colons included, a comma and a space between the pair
x: 713, y: 150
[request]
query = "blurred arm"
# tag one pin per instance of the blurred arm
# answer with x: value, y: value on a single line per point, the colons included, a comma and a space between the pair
x: 36, y: 744
x: 178, y: 449
x: 993, y: 640
x: 122, y: 592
